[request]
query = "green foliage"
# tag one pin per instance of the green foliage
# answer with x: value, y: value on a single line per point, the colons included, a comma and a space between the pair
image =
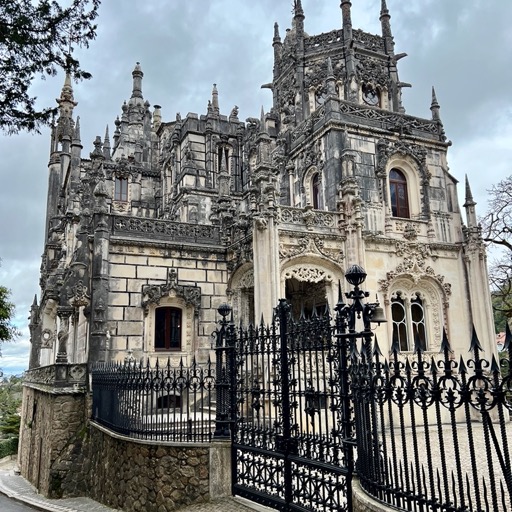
x: 501, y: 305
x: 7, y: 330
x: 10, y: 404
x: 8, y: 447
x: 37, y: 38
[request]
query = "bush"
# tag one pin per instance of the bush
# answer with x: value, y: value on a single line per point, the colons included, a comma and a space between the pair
x: 8, y: 447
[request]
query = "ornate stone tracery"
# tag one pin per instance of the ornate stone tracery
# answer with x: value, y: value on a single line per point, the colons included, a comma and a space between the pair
x: 309, y: 273
x: 311, y: 245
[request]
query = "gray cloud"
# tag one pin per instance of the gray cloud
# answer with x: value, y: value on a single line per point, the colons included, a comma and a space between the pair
x: 463, y: 48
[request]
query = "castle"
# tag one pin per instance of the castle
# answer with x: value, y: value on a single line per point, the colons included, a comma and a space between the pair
x: 156, y: 228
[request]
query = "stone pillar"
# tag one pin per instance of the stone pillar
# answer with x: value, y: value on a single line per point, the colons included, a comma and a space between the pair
x: 220, y: 470
x: 64, y: 313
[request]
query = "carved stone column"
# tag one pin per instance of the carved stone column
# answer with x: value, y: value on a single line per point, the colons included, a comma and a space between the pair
x: 64, y: 313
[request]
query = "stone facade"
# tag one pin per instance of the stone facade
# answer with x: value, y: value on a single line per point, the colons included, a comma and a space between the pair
x: 147, y: 235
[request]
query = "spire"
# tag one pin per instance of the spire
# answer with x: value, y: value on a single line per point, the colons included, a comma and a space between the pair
x: 331, y: 80
x: 157, y: 117
x: 434, y: 107
x: 346, y: 18
x: 277, y: 37
x: 67, y: 91
x: 97, y: 152
x: 298, y: 18
x: 66, y: 104
x: 469, y: 205
x: 436, y: 116
x: 76, y: 135
x: 330, y: 71
x: 106, y: 145
x: 469, y: 196
x: 215, y: 100
x: 137, y: 75
x: 263, y: 126
x: 386, y: 28
x: 298, y: 11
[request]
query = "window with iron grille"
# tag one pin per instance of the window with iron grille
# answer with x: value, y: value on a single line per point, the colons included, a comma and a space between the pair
x: 168, y: 328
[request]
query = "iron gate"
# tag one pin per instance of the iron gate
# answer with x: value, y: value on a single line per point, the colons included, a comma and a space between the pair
x: 293, y: 433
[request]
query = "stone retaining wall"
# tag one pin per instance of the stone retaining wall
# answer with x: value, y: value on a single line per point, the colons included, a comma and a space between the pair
x: 141, y: 476
x: 51, y: 438
x: 63, y: 454
x: 362, y: 502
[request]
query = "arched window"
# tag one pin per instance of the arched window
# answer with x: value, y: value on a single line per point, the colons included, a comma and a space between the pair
x: 398, y: 194
x: 408, y: 318
x: 121, y: 189
x: 315, y: 191
x: 168, y: 328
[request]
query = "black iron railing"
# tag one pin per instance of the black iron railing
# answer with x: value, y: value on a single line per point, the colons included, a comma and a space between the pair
x: 308, y: 402
x: 159, y: 402
x: 433, y: 434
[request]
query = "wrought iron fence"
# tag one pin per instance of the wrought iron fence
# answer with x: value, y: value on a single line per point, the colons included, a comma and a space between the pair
x: 302, y: 400
x: 434, y: 434
x: 163, y: 403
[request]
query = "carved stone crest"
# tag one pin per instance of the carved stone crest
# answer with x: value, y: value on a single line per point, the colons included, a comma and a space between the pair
x: 153, y: 293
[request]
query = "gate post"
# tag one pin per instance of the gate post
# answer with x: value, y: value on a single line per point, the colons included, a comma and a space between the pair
x: 224, y: 369
x: 283, y: 312
x: 357, y: 417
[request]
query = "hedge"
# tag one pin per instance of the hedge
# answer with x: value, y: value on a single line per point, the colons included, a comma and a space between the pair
x: 8, y: 447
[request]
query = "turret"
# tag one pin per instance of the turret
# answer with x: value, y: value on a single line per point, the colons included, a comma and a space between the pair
x: 60, y: 157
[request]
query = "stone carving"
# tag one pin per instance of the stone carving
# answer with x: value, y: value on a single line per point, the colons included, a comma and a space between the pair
x: 312, y: 245
x: 390, y: 120
x: 247, y: 280
x: 373, y: 70
x: 48, y: 338
x: 163, y: 229
x: 324, y: 40
x: 368, y: 41
x: 80, y: 296
x: 298, y: 216
x: 153, y: 293
x: 308, y: 273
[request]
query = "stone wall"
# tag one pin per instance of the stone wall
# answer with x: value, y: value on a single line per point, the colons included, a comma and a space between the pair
x: 141, y: 476
x: 51, y: 437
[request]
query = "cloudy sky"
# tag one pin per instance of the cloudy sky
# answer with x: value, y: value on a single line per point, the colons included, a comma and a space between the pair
x: 462, y: 48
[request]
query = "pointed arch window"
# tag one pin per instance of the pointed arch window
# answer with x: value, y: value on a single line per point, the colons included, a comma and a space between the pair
x: 398, y: 194
x: 121, y: 189
x: 409, y: 323
x: 315, y: 191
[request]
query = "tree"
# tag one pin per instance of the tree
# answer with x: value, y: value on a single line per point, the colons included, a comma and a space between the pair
x: 497, y: 231
x: 7, y: 330
x: 38, y: 38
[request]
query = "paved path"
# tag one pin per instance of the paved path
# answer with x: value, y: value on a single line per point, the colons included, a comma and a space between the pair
x: 16, y: 487
x: 9, y: 505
